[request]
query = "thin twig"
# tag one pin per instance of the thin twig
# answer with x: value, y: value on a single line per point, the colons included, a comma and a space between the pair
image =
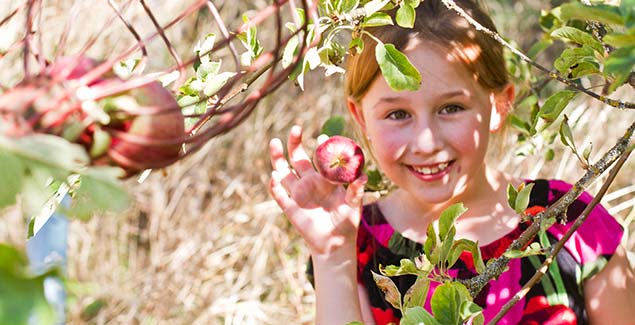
x: 557, y: 76
x: 94, y: 37
x: 27, y: 43
x: 223, y: 29
x: 560, y: 244
x: 171, y: 48
x: 61, y: 44
x: 135, y: 34
x: 9, y: 16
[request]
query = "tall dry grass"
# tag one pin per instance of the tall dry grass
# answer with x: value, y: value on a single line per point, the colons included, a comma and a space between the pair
x: 204, y: 243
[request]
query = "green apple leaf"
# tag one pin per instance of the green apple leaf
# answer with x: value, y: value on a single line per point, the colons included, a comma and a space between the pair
x: 11, y: 174
x: 417, y: 315
x: 399, y: 73
x: 405, y: 15
x: 448, y: 217
x: 577, y: 36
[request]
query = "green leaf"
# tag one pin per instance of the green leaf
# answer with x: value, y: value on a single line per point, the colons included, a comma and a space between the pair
x: 374, y: 6
x: 389, y: 289
x: 374, y: 180
x: 417, y: 316
x: 206, y: 69
x: 334, y: 126
x: 430, y: 243
x: 413, y: 3
x: 448, y: 218
x: 627, y: 10
x: 101, y: 142
x: 512, y: 194
x: 203, y: 49
x: 522, y: 200
x: 347, y: 5
x: 22, y: 293
x: 584, y: 69
x: 417, y: 293
x: 621, y: 61
x: 462, y: 245
x: 446, y: 302
x: 577, y: 36
x: 290, y: 51
x: 555, y: 104
x: 470, y: 310
x: 620, y: 40
x: 99, y: 190
x: 601, y: 13
x: 533, y: 249
x: 539, y: 47
x: 587, y: 152
x: 214, y: 84
x: 549, y: 154
x: 565, y: 134
x: 405, y: 16
x: 573, y: 56
x: 11, y: 174
x: 49, y: 150
x: 35, y: 190
x: 377, y: 19
x: 446, y: 246
x: 406, y: 266
x: 399, y: 73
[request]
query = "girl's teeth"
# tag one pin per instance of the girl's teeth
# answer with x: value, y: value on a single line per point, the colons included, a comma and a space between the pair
x: 431, y: 170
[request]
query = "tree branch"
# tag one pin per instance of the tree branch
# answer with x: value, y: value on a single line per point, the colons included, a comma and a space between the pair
x: 560, y: 244
x: 609, y: 101
x: 497, y: 266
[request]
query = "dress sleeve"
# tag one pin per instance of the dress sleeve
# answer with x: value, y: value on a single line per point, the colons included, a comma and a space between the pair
x: 597, y: 238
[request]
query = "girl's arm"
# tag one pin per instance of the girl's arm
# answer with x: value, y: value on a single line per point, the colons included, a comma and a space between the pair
x: 336, y: 288
x: 610, y: 294
x: 327, y: 216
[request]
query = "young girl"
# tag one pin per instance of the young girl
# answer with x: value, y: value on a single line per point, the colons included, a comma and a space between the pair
x: 432, y: 143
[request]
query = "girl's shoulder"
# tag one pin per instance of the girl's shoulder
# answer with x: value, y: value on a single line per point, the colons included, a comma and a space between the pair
x: 600, y: 234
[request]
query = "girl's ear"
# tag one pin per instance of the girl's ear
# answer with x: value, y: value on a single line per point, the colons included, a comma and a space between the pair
x: 356, y: 111
x: 502, y: 106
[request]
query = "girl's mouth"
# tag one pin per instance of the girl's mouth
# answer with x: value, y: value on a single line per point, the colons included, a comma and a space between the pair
x: 431, y: 172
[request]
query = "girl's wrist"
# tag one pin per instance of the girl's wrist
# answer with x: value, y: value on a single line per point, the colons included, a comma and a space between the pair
x: 337, y: 256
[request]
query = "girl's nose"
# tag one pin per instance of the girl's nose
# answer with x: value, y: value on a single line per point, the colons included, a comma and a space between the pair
x: 426, y: 140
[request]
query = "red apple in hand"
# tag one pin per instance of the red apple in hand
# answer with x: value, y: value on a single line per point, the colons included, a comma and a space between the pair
x: 339, y: 159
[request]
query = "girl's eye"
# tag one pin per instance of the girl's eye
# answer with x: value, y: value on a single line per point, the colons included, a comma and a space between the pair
x: 451, y: 109
x: 398, y: 115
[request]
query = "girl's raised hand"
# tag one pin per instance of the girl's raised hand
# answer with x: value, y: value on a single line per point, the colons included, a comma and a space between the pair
x: 326, y: 215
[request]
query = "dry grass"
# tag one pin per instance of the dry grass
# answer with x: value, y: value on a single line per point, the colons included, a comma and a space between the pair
x: 204, y: 243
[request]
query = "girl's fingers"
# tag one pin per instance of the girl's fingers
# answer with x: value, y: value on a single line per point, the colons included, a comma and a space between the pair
x: 280, y: 164
x: 299, y: 159
x: 355, y: 191
x: 280, y: 194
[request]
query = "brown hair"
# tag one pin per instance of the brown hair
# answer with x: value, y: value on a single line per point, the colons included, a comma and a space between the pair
x: 435, y: 23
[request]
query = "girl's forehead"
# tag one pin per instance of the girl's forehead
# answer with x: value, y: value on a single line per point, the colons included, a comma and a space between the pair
x: 441, y: 73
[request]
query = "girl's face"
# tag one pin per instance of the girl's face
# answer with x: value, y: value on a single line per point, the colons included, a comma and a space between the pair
x: 432, y: 142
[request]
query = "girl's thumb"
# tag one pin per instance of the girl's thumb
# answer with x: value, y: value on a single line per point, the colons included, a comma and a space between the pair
x: 355, y: 191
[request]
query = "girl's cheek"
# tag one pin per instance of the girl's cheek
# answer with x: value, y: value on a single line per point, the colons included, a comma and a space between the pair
x: 390, y: 146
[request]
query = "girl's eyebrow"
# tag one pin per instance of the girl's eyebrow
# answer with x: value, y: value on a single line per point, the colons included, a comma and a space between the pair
x: 446, y: 95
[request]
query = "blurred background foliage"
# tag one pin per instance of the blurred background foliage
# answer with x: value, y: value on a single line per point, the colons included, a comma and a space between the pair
x: 203, y: 242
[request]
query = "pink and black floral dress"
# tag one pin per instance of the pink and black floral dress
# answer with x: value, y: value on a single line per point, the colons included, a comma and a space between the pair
x: 557, y: 299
